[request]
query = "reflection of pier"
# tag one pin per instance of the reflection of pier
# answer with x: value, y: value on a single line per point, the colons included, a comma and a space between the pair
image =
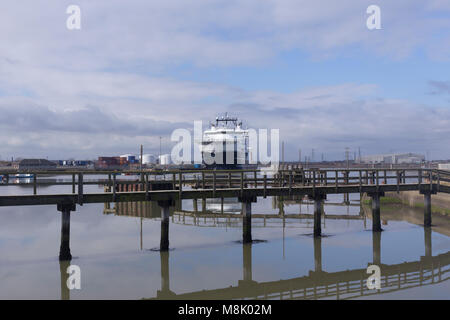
x: 223, y: 212
x: 211, y: 219
x: 319, y: 284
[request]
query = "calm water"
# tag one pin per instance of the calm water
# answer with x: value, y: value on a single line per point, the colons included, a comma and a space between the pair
x: 113, y: 249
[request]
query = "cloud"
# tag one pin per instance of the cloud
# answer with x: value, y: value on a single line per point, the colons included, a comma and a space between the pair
x: 147, y: 35
x: 440, y: 87
x: 325, y: 118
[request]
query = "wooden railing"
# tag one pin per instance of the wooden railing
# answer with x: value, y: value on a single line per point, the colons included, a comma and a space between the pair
x: 220, y: 179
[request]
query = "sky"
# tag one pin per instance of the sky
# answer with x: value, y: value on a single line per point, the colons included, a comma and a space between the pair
x: 137, y: 70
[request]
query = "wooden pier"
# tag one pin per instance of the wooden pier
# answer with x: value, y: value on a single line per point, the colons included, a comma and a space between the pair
x: 169, y: 187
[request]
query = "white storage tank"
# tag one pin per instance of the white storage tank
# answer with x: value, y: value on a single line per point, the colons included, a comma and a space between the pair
x: 164, y: 159
x: 148, y: 159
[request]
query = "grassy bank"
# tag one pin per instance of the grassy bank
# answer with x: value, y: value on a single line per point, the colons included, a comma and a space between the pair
x: 384, y: 200
x: 394, y: 200
x: 443, y: 211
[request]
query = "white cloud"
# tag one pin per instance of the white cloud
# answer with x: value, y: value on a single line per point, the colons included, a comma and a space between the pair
x: 330, y: 118
x: 212, y: 33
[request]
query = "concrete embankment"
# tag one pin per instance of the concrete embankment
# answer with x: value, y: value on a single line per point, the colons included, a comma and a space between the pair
x: 439, y: 202
x: 402, y: 212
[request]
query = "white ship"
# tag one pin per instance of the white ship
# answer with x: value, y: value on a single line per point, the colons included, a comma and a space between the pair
x: 225, y: 144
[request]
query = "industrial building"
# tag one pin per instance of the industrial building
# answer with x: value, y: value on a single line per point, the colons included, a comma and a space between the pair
x: 126, y: 160
x: 395, y: 158
x: 34, y: 164
x: 73, y: 163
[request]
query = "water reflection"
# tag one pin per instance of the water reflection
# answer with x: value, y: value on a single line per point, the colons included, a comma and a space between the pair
x: 316, y: 284
x: 165, y: 292
x: 320, y: 284
x: 65, y: 292
x: 117, y: 264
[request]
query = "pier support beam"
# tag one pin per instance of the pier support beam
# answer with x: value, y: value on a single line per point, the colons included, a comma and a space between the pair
x: 247, y: 262
x: 165, y: 292
x: 165, y: 278
x: 376, y: 218
x: 318, y: 212
x: 318, y: 254
x: 64, y: 249
x: 247, y: 218
x: 165, y: 213
x: 427, y: 192
x: 376, y: 247
x: 427, y: 209
x: 427, y: 236
x: 65, y: 292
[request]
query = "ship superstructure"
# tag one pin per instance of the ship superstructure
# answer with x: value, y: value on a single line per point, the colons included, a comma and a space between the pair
x: 225, y: 144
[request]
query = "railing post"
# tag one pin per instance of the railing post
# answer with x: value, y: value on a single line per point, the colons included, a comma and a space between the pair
x: 203, y: 180
x: 180, y: 183
x: 360, y: 181
x: 438, y: 182
x: 35, y: 183
x: 290, y: 182
x: 114, y: 188
x: 146, y: 187
x: 431, y: 180
x: 398, y: 180
x: 314, y: 182
x: 73, y: 182
x: 336, y: 180
x: 242, y: 183
x: 265, y: 185
x: 214, y: 184
x: 80, y: 189
x: 377, y: 177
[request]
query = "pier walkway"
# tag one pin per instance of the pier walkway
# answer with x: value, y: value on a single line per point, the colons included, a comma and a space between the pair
x: 167, y: 187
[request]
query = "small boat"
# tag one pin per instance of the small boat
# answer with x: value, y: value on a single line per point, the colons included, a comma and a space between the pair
x: 23, y: 175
